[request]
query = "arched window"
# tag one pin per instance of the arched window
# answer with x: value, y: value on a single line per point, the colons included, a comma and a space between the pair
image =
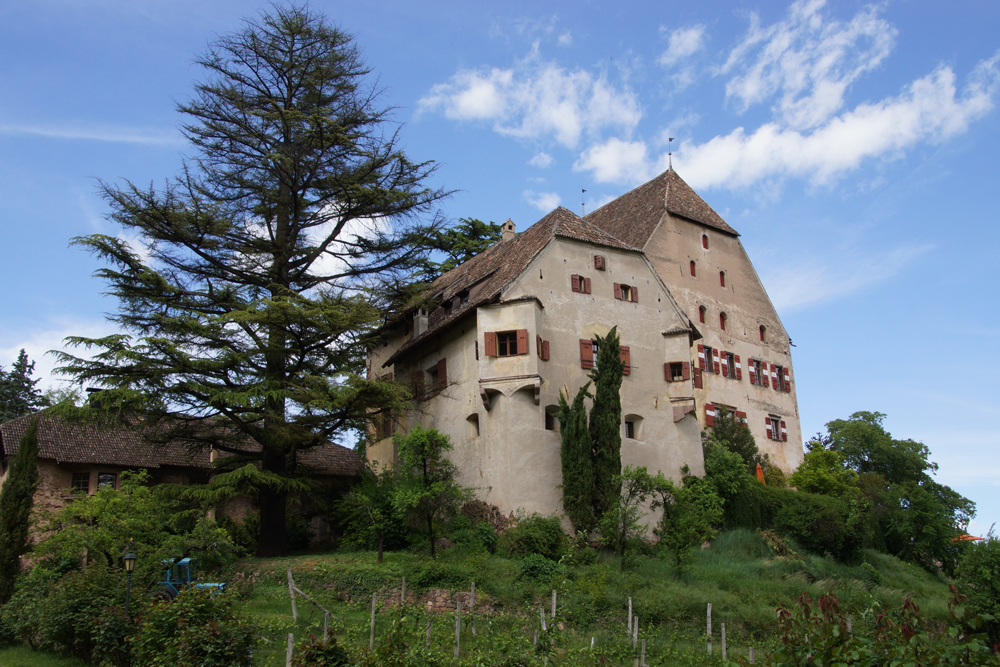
x: 722, y: 321
x: 701, y: 314
x: 693, y: 272
x: 472, y: 426
x: 763, y: 332
x: 704, y: 241
x: 722, y: 278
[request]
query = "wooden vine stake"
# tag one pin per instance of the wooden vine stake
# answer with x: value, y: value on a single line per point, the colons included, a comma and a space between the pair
x: 371, y: 635
x: 708, y: 631
x: 427, y: 638
x: 629, y: 626
x: 291, y: 594
x: 553, y: 614
x: 753, y: 657
x: 326, y: 627
x: 402, y: 593
x: 541, y: 610
x: 458, y: 627
x: 642, y: 655
x: 635, y: 631
x: 288, y: 652
x: 472, y: 608
x: 723, y: 641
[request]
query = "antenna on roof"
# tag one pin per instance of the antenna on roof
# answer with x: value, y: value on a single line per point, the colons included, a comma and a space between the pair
x: 583, y: 206
x: 670, y: 160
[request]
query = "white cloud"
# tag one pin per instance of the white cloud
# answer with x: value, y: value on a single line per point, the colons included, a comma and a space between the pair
x: 805, y: 283
x: 565, y: 39
x: 543, y: 201
x: 541, y: 160
x: 616, y: 161
x: 929, y: 109
x: 98, y: 133
x: 684, y: 42
x: 38, y: 342
x: 537, y: 100
x: 807, y: 60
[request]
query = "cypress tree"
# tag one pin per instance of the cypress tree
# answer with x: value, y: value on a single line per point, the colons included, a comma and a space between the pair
x: 605, y: 421
x: 16, y: 498
x: 577, y: 468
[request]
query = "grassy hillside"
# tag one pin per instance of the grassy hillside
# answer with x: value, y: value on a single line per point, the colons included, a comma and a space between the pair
x: 739, y: 575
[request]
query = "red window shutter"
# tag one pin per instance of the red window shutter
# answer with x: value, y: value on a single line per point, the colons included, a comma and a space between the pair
x: 770, y: 432
x: 635, y: 294
x: 667, y: 375
x: 545, y: 350
x: 586, y: 353
x: 522, y: 341
x: 725, y: 364
x: 753, y: 372
x: 739, y: 367
x: 765, y: 375
x: 618, y: 291
x: 715, y: 361
x: 575, y: 282
x: 685, y: 370
x: 599, y: 262
x: 697, y: 378
x: 491, y: 343
x: 788, y: 381
x: 709, y: 414
x: 627, y: 360
x: 442, y: 372
x: 586, y: 285
x: 784, y: 433
x: 701, y: 357
x: 741, y: 417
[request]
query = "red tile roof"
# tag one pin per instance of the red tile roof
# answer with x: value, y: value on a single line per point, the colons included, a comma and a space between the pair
x: 635, y: 215
x: 487, y: 274
x: 63, y: 442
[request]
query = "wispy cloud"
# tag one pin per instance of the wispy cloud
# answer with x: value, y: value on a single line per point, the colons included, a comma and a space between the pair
x: 807, y: 61
x: 543, y: 201
x: 812, y: 281
x: 538, y: 100
x: 683, y: 43
x: 128, y: 135
x: 541, y: 160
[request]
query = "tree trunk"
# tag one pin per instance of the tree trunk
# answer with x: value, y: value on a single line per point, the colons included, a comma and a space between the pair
x: 271, y: 535
x: 430, y: 532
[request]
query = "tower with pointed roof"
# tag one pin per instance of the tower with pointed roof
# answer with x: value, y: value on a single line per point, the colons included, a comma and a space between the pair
x: 743, y: 358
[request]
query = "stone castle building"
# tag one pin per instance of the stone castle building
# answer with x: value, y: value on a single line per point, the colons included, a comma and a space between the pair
x: 504, y: 332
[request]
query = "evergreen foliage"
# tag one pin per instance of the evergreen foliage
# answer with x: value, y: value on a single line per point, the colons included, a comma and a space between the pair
x: 17, y: 496
x: 18, y: 395
x: 460, y: 243
x: 692, y: 513
x: 979, y: 579
x: 268, y: 264
x: 427, y: 491
x: 606, y: 422
x: 619, y: 526
x: 370, y: 510
x: 577, y: 467
x: 731, y: 433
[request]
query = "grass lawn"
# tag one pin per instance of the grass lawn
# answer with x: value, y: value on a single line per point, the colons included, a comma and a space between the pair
x: 22, y: 656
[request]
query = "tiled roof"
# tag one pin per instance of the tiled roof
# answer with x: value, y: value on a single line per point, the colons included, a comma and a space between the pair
x: 496, y: 267
x: 633, y: 216
x: 63, y: 442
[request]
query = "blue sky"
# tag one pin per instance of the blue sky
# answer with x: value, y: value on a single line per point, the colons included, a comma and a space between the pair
x: 853, y: 146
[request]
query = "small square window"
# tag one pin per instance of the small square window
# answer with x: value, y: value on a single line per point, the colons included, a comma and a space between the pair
x: 106, y: 479
x: 676, y: 371
x: 630, y: 429
x: 81, y: 482
x: 506, y: 343
x: 599, y: 262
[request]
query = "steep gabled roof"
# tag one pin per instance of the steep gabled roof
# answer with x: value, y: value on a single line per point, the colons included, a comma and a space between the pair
x: 633, y: 216
x: 487, y: 274
x: 63, y: 442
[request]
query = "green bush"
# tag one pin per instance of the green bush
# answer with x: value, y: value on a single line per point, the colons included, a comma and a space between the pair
x: 487, y: 536
x: 197, y: 629
x: 313, y: 652
x: 80, y: 614
x: 535, y: 567
x: 439, y: 574
x: 979, y: 579
x: 535, y: 534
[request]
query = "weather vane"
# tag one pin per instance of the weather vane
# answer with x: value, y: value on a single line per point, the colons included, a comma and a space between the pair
x: 670, y: 160
x: 583, y: 206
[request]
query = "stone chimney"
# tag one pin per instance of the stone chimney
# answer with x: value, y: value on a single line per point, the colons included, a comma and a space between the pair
x: 419, y: 322
x: 508, y: 230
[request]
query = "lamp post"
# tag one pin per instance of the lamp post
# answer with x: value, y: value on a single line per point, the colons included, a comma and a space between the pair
x: 130, y: 559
